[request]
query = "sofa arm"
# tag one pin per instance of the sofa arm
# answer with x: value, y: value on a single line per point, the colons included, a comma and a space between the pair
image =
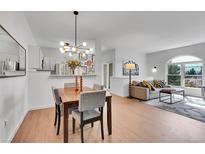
x: 140, y: 92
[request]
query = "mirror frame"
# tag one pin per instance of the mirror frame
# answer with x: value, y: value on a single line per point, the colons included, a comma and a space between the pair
x: 21, y: 47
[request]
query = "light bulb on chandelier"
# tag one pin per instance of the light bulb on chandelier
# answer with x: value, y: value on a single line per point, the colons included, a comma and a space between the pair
x: 84, y: 44
x: 62, y: 50
x: 74, y: 49
x: 61, y: 43
x: 87, y: 51
x: 83, y: 54
x: 70, y: 54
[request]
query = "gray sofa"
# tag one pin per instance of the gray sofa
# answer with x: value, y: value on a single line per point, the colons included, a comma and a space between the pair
x: 144, y: 93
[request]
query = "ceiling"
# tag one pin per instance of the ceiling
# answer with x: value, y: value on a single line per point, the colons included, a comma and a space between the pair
x: 143, y: 31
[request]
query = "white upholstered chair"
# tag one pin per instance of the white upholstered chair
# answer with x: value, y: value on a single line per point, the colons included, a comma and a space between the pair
x: 98, y: 87
x: 88, y: 112
x: 66, y: 85
x: 59, y: 108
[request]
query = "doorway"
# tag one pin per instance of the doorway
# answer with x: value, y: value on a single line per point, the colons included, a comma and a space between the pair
x: 107, y: 72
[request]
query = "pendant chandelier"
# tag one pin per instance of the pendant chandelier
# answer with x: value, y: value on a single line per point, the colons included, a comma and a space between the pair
x: 80, y: 49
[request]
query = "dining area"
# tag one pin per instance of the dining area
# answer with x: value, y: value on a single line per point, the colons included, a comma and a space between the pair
x: 84, y: 105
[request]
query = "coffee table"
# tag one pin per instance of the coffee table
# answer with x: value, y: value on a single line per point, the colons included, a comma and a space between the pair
x: 170, y: 92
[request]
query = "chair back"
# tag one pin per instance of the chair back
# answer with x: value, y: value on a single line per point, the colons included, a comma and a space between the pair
x: 91, y: 100
x: 98, y: 87
x: 67, y: 85
x: 56, y: 96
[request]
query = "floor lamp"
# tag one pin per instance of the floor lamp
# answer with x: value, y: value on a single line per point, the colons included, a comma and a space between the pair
x: 130, y: 66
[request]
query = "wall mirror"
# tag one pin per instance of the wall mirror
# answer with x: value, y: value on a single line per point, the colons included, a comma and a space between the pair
x: 12, y: 56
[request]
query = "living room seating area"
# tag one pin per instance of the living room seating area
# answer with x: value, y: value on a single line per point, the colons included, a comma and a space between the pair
x: 147, y: 90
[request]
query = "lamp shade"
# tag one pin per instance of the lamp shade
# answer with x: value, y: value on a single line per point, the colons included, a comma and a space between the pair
x: 129, y: 66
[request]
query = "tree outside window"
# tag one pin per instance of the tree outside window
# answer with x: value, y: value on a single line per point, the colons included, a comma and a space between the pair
x: 174, y: 74
x: 193, y: 75
x: 185, y: 71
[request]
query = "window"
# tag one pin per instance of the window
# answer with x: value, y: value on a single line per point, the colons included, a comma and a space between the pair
x: 174, y: 74
x: 185, y: 71
x: 193, y: 75
x: 184, y: 59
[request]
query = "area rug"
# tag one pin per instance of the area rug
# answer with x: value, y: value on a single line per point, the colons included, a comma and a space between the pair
x: 191, y: 107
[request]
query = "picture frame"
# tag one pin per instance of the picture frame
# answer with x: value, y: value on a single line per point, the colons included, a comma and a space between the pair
x: 84, y: 70
x: 83, y: 58
x: 134, y: 72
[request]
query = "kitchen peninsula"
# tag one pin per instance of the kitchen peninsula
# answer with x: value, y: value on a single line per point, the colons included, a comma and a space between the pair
x: 41, y: 81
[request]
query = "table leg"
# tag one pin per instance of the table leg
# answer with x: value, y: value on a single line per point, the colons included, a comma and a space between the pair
x: 159, y: 96
x: 65, y: 123
x: 109, y: 116
x: 183, y: 95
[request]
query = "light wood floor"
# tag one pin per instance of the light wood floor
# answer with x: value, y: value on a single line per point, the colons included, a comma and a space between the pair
x: 132, y: 122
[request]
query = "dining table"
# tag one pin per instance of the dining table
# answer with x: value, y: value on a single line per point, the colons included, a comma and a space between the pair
x: 70, y: 98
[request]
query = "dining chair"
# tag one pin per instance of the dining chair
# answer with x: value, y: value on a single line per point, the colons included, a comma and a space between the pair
x: 98, y: 87
x: 59, y: 108
x: 66, y: 85
x: 88, y: 112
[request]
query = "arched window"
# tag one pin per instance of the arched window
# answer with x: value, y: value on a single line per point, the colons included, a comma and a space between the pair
x: 185, y: 71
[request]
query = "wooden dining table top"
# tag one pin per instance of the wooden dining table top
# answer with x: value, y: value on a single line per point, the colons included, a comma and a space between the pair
x: 68, y: 94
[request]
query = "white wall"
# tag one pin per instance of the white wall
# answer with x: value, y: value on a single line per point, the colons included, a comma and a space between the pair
x: 34, y: 57
x: 39, y: 85
x: 13, y: 91
x: 98, y: 61
x: 160, y: 59
x: 130, y: 54
x: 119, y: 83
x: 108, y: 56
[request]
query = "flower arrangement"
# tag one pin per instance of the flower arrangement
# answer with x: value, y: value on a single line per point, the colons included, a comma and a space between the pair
x: 73, y: 64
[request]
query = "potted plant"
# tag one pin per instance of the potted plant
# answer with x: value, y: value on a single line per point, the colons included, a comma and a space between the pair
x: 73, y: 64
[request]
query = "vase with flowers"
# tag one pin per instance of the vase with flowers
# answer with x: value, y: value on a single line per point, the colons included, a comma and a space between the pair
x: 73, y: 64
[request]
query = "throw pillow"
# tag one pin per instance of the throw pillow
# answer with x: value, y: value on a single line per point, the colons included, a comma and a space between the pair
x: 152, y: 85
x: 141, y: 84
x: 135, y: 83
x: 156, y: 83
x: 161, y: 84
x: 149, y: 85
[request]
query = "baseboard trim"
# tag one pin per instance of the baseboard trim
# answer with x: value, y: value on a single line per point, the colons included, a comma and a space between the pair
x: 17, y: 127
x: 40, y: 107
x: 117, y: 94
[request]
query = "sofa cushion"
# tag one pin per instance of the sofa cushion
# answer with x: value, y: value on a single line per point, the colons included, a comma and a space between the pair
x: 154, y: 94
